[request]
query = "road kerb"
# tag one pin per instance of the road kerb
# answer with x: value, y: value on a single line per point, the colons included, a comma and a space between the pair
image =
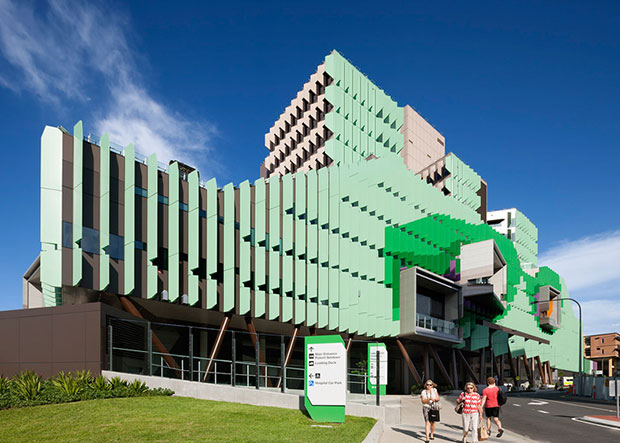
x: 608, y: 420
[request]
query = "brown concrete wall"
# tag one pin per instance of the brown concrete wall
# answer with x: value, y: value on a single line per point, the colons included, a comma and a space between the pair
x: 48, y: 340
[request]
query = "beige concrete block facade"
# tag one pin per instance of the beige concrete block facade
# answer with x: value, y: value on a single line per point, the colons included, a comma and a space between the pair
x: 423, y: 144
x: 296, y: 141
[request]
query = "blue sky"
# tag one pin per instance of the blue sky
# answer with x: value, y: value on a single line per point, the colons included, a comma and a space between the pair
x: 527, y: 93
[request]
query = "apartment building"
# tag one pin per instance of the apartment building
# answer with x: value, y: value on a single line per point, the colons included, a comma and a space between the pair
x: 604, y: 351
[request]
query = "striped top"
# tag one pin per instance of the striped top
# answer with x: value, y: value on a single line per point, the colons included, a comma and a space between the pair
x: 472, y: 402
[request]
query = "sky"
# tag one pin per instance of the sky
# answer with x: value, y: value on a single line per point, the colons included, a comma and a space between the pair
x: 527, y: 93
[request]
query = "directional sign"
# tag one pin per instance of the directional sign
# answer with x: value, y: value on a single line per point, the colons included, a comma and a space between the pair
x: 372, y: 367
x: 326, y: 378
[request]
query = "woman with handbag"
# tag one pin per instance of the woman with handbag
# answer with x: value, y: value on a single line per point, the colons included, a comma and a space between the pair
x: 472, y: 410
x: 430, y: 408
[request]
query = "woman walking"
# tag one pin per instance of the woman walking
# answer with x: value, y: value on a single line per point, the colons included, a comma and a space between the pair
x: 472, y: 410
x: 430, y: 399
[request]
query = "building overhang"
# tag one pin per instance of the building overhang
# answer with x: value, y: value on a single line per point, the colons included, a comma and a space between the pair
x: 511, y: 331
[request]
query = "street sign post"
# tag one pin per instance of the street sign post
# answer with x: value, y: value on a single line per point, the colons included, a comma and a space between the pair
x: 372, y: 368
x: 614, y: 391
x: 325, y: 378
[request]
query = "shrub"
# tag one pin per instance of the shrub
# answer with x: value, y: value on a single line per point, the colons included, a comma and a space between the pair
x: 67, y: 384
x: 5, y: 384
x: 29, y: 389
x: 118, y: 383
x: 84, y: 378
x: 27, y: 385
x: 99, y: 383
x: 137, y: 388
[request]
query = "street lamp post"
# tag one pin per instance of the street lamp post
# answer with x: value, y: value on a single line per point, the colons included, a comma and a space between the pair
x: 580, y: 337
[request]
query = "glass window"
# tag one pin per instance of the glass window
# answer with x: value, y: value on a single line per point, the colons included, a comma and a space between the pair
x: 183, y: 206
x: 202, y: 213
x: 141, y: 191
x: 90, y: 240
x: 140, y: 245
x: 162, y: 199
x: 67, y: 234
x: 428, y: 303
x: 116, y: 249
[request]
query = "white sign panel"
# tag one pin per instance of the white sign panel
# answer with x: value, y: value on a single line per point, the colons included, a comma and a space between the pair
x: 327, y: 367
x: 612, y: 388
x: 383, y: 358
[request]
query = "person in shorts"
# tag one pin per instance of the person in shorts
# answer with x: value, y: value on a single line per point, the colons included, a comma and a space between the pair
x: 491, y: 405
x: 429, y: 396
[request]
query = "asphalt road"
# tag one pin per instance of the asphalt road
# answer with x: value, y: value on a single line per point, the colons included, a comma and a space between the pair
x: 550, y: 417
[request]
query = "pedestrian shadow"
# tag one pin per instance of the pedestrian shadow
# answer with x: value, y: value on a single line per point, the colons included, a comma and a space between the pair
x: 422, y: 436
x: 455, y: 427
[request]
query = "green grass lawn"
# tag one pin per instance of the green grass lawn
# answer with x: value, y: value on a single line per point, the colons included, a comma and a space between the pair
x: 162, y: 419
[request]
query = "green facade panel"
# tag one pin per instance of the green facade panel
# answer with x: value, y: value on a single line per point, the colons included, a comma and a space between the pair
x: 229, y: 248
x: 78, y: 165
x: 193, y: 237
x: 129, y: 207
x: 174, y: 271
x: 104, y: 212
x: 51, y: 216
x: 152, y: 209
x: 212, y: 246
x: 245, y: 250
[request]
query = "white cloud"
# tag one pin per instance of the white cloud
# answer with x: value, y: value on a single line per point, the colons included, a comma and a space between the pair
x: 76, y: 51
x: 601, y: 316
x: 587, y: 262
x: 591, y: 269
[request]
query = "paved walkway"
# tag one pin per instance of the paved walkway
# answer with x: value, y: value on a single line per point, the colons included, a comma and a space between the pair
x: 449, y: 428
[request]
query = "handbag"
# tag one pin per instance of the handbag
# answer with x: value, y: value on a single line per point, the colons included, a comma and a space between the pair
x: 482, y: 433
x: 433, y: 415
x: 459, y: 408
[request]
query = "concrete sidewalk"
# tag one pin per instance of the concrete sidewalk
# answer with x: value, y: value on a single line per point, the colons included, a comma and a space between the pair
x: 607, y: 420
x: 448, y: 429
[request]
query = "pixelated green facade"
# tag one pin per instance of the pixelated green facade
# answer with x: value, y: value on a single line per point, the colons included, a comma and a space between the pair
x: 327, y: 245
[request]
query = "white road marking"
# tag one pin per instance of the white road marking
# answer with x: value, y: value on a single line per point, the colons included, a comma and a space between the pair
x: 538, y: 403
x: 515, y: 404
x: 542, y: 412
x: 594, y: 424
x: 570, y: 403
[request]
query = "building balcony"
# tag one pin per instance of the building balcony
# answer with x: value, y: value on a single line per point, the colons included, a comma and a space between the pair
x: 549, y: 307
x: 427, y: 323
x: 483, y: 276
x: 430, y: 306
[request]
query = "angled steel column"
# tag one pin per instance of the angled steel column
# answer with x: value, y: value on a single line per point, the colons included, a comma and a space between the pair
x: 129, y: 307
x: 497, y: 369
x: 254, y: 337
x: 412, y: 368
x: 468, y: 368
x: 427, y: 368
x: 483, y: 365
x: 289, y: 352
x: 513, y: 369
x: 442, y: 368
x: 455, y: 369
x: 215, y: 350
x: 528, y: 369
x: 543, y: 376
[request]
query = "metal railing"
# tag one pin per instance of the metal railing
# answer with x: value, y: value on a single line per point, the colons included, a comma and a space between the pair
x: 436, y: 324
x: 131, y: 349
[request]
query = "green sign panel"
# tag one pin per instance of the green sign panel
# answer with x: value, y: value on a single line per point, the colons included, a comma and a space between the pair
x: 372, y: 368
x: 325, y: 378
